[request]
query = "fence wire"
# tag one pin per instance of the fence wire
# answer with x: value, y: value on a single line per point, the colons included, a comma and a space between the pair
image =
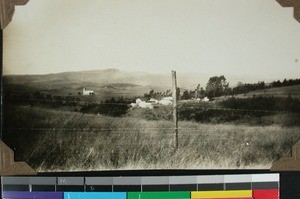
x: 87, y: 103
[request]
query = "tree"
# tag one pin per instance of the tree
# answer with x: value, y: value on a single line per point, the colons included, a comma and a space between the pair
x: 217, y: 86
x: 150, y: 94
x: 202, y: 92
x: 198, y: 91
x: 276, y: 83
x: 285, y: 82
x: 185, y: 95
x: 261, y: 85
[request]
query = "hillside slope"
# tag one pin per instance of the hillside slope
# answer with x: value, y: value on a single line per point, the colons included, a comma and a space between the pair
x: 105, y: 83
x: 293, y: 91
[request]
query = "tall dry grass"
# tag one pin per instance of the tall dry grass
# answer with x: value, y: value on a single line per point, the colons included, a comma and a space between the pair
x: 52, y: 140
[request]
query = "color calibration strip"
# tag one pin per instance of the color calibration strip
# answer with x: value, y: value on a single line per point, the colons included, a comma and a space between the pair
x: 245, y: 186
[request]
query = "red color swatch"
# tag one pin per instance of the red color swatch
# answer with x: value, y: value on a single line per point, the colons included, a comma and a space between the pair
x: 266, y: 194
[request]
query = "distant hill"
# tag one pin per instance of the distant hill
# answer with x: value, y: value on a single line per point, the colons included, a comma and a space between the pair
x: 105, y: 83
x: 101, y: 78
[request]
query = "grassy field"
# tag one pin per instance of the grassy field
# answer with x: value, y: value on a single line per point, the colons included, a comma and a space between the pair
x: 292, y: 91
x: 52, y: 140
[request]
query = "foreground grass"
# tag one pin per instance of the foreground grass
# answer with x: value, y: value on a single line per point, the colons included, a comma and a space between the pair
x: 51, y: 140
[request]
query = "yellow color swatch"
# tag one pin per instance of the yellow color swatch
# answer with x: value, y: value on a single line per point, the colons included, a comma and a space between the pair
x: 221, y: 194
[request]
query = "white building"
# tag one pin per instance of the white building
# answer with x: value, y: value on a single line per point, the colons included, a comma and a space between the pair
x: 154, y: 101
x: 206, y: 99
x: 87, y: 92
x: 166, y: 101
x: 142, y: 104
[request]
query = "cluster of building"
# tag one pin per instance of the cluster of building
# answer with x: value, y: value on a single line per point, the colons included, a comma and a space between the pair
x: 164, y: 101
x: 150, y: 104
x: 147, y: 104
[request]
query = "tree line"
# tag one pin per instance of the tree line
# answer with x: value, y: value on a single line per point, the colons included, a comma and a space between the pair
x: 245, y: 88
x: 218, y: 86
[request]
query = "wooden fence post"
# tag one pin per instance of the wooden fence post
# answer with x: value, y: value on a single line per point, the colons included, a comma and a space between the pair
x: 175, y: 114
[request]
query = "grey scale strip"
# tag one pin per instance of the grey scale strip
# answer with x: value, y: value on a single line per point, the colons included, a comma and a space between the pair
x: 70, y: 181
x: 29, y: 180
x: 99, y: 180
x: 257, y: 181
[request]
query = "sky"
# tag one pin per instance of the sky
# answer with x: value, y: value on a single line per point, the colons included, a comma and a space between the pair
x: 245, y: 40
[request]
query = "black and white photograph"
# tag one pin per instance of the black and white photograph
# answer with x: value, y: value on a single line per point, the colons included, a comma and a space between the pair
x: 163, y: 84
